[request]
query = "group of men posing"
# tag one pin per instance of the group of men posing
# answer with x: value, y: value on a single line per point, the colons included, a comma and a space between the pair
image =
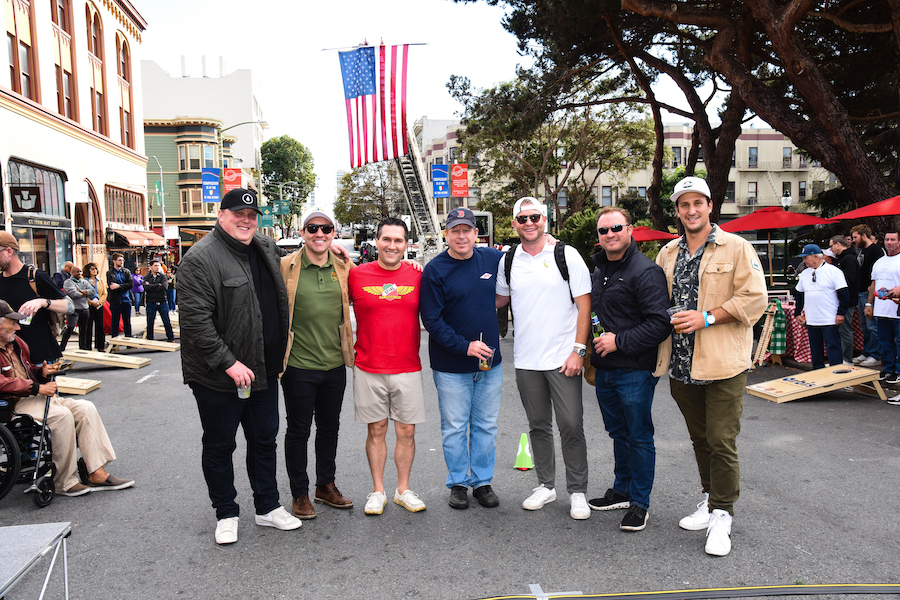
x: 250, y: 314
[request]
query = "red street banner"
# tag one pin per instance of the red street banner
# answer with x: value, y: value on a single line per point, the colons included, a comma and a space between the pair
x: 375, y: 98
x: 459, y: 180
x: 232, y: 179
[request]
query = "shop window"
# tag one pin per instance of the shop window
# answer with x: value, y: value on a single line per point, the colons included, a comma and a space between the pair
x: 35, y: 189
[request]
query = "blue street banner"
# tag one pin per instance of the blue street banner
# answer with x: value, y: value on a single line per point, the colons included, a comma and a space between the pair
x: 210, y: 185
x: 440, y: 178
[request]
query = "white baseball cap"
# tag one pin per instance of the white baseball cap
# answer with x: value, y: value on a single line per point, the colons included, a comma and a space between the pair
x: 530, y: 203
x: 317, y: 212
x: 690, y: 184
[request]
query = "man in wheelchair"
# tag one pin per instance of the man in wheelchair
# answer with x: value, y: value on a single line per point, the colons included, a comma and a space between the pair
x: 27, y: 386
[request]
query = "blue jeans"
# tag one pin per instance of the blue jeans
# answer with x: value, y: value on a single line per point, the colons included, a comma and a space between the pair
x: 220, y: 415
x: 888, y: 338
x: 163, y: 309
x: 170, y: 298
x: 625, y: 397
x: 469, y: 405
x: 870, y: 329
x: 822, y: 337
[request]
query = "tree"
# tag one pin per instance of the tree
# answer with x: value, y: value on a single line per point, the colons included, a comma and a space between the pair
x: 369, y: 193
x: 288, y: 169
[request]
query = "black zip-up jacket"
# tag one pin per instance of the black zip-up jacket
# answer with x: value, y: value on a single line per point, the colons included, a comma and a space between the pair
x: 155, y: 287
x: 630, y: 297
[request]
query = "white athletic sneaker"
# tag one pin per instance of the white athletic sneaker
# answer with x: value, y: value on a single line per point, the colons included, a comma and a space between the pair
x: 375, y: 502
x: 541, y: 496
x: 409, y: 500
x: 859, y: 359
x: 718, y: 535
x: 699, y: 519
x: 870, y: 362
x: 226, y: 530
x: 279, y: 519
x: 580, y: 509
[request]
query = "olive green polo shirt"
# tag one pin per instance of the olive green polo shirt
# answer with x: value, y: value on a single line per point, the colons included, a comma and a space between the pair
x: 317, y: 317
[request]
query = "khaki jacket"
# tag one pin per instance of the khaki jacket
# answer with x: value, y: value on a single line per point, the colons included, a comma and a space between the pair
x: 290, y: 271
x: 731, y: 278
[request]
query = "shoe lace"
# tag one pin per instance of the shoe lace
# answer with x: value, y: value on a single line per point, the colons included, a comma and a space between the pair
x: 579, y: 501
x: 541, y: 490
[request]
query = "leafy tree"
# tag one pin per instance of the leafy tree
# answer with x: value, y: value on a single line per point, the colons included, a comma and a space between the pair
x: 369, y: 193
x: 288, y: 169
x: 581, y: 233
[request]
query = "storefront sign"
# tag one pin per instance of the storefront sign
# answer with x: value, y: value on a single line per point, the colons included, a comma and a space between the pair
x: 26, y: 198
x: 45, y: 222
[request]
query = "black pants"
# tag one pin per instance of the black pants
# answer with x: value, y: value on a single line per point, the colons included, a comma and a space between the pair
x: 96, y: 322
x: 309, y: 394
x: 84, y: 333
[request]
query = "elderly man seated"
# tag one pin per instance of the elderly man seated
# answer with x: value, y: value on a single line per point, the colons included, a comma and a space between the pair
x: 28, y: 386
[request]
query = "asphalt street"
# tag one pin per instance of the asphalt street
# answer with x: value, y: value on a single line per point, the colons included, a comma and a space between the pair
x: 819, y: 477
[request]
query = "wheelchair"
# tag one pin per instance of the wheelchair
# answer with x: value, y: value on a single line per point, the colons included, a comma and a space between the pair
x: 25, y: 455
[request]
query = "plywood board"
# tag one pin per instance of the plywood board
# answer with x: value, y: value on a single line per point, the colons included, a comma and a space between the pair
x: 131, y: 342
x: 102, y: 358
x: 815, y: 382
x: 74, y: 385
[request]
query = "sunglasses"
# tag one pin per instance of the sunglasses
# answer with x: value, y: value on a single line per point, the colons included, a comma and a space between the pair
x: 814, y: 276
x: 615, y: 229
x: 522, y: 219
x: 313, y: 228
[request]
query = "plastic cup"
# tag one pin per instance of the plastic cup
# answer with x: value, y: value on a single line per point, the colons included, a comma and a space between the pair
x: 26, y: 320
x: 672, y: 310
x: 485, y: 364
x: 243, y: 392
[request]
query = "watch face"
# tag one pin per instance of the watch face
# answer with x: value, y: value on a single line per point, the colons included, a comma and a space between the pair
x: 580, y: 351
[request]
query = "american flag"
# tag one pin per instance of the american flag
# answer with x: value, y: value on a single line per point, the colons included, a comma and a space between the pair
x: 375, y: 94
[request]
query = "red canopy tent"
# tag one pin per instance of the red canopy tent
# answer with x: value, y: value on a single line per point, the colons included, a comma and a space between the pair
x: 645, y: 234
x: 885, y: 208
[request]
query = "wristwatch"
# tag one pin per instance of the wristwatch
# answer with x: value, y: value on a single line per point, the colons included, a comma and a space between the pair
x: 708, y: 319
x: 580, y: 352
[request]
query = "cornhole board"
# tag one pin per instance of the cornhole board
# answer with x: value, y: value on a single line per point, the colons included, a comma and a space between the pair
x: 161, y: 329
x: 74, y: 385
x: 131, y: 342
x: 107, y: 360
x: 816, y: 382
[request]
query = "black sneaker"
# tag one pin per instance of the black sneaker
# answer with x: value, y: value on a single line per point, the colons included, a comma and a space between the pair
x: 635, y: 519
x: 892, y: 379
x: 883, y: 375
x: 895, y: 401
x: 486, y: 497
x: 610, y: 501
x: 459, y: 497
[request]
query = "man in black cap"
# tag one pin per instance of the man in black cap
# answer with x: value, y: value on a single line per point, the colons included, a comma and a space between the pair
x: 234, y: 322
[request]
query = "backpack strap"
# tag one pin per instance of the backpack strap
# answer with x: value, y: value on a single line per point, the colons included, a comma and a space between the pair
x: 559, y: 253
x: 31, y: 280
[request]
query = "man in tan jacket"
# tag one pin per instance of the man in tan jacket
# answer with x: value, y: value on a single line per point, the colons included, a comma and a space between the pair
x: 716, y: 279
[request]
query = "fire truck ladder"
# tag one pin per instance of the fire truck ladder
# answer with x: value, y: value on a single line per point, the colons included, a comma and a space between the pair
x: 421, y: 207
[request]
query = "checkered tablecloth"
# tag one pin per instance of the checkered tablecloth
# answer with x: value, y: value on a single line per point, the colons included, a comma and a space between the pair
x: 798, y: 339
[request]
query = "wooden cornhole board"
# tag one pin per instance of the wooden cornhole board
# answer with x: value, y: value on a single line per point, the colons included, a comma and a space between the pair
x: 131, y: 342
x: 108, y: 360
x: 817, y: 382
x: 74, y: 385
x: 161, y: 329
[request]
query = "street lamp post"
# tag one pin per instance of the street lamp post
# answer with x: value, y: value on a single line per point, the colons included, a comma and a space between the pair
x: 281, y: 191
x: 786, y: 204
x: 220, y: 131
x: 162, y: 201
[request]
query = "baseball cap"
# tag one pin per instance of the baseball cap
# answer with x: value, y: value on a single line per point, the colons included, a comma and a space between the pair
x: 8, y: 312
x: 314, y: 212
x: 238, y: 199
x: 828, y: 252
x: 460, y: 216
x: 529, y: 203
x: 690, y: 184
x: 809, y: 250
x: 8, y: 240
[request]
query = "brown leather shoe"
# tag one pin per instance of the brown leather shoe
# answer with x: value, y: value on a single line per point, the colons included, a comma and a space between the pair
x: 303, y: 508
x: 330, y: 495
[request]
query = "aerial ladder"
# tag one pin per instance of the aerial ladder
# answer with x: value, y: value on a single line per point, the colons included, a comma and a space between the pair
x: 418, y: 198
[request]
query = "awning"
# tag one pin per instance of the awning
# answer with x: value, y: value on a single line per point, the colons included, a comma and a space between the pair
x: 139, y: 238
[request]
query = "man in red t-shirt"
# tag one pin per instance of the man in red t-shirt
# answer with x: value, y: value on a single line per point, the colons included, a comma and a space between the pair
x: 387, y: 376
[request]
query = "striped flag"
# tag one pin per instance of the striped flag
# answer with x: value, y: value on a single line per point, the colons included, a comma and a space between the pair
x: 375, y: 94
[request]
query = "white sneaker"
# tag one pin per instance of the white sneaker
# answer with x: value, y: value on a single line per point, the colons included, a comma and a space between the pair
x: 279, y: 519
x: 409, y: 500
x: 870, y: 362
x: 859, y: 359
x: 699, y: 519
x: 718, y: 535
x: 226, y: 530
x: 580, y: 509
x: 541, y: 496
x: 375, y: 502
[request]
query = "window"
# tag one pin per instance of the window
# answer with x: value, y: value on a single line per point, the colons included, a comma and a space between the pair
x: 802, y: 190
x: 700, y: 155
x: 786, y: 158
x: 95, y: 58
x: 438, y: 160
x: 194, y: 157
x: 440, y: 205
x: 35, y: 189
x: 123, y: 67
x: 802, y: 161
x: 676, y: 157
x: 785, y: 188
x: 62, y: 37
x: 209, y: 156
x: 124, y: 207
x: 453, y: 156
x: 182, y: 160
x: 22, y: 74
x: 642, y: 192
x: 729, y: 192
x: 192, y: 202
x: 607, y: 195
x: 563, y: 198
x: 732, y: 157
x: 751, y: 193
x: 753, y: 157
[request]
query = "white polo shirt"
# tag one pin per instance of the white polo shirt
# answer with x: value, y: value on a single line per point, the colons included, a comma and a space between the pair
x: 886, y: 273
x: 820, y: 296
x: 545, y: 316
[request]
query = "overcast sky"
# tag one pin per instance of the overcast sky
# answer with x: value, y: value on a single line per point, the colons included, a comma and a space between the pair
x: 299, y: 86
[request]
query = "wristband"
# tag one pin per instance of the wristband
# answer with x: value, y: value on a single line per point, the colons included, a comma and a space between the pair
x: 868, y: 304
x: 705, y: 319
x: 580, y: 346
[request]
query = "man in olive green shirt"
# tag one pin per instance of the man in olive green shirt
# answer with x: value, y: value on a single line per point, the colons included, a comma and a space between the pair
x: 319, y: 347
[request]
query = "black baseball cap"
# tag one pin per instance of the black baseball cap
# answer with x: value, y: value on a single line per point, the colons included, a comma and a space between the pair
x: 238, y: 199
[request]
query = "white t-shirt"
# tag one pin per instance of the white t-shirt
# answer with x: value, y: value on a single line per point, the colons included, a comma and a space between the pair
x: 545, y: 316
x: 886, y: 273
x: 820, y: 296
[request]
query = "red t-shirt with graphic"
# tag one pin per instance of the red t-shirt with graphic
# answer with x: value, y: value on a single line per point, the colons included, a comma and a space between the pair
x: 387, y: 318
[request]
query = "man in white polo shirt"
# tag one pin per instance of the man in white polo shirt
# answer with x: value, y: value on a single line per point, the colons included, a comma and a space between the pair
x: 823, y: 290
x: 552, y: 321
x: 886, y: 276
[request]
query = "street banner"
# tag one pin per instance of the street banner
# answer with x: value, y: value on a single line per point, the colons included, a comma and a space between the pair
x: 232, y: 179
x: 440, y: 179
x: 210, y: 185
x: 459, y: 180
x: 375, y: 99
